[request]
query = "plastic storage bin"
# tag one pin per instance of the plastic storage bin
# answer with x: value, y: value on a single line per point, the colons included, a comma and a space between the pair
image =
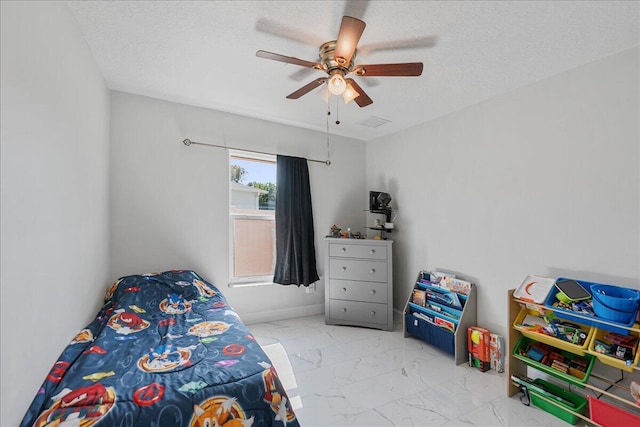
x: 585, y: 319
x: 608, y: 415
x: 599, y: 334
x: 548, y: 339
x: 615, y: 303
x: 563, y: 411
x: 523, y: 344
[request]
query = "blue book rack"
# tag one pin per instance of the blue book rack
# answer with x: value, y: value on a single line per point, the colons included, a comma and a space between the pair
x: 441, y: 322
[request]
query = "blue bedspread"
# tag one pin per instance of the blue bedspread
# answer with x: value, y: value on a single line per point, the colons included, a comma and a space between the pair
x: 165, y: 350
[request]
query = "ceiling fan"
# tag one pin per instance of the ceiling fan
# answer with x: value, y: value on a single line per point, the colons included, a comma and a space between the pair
x: 337, y: 60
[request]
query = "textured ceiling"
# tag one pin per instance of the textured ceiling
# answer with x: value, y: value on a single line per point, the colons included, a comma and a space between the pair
x: 203, y: 53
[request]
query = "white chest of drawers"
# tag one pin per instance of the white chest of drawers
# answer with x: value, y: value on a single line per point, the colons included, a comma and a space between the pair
x: 359, y: 283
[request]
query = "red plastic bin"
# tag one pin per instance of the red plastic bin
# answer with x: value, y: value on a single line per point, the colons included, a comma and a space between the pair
x: 608, y: 415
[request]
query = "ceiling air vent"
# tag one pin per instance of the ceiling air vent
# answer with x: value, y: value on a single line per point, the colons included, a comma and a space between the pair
x: 374, y: 122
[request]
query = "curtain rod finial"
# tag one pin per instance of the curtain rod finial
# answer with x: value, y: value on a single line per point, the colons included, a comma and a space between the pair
x: 187, y: 142
x: 328, y: 162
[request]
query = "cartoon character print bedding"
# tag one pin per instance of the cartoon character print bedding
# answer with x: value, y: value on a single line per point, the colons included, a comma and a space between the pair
x: 165, y: 350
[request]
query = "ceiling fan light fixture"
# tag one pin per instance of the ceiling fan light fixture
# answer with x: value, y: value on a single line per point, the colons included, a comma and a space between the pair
x: 337, y: 85
x: 350, y: 94
x: 324, y: 94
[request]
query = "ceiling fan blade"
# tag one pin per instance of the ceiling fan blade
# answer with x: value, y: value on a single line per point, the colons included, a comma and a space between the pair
x: 287, y: 59
x: 404, y: 69
x: 307, y: 88
x: 277, y: 29
x: 405, y: 44
x: 350, y: 31
x: 301, y: 74
x: 362, y: 99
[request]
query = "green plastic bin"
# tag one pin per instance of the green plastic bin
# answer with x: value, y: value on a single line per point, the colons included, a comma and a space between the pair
x: 563, y: 411
x: 524, y: 342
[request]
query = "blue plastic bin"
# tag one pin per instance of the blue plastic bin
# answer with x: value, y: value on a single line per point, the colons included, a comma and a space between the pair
x: 615, y: 303
x: 611, y: 325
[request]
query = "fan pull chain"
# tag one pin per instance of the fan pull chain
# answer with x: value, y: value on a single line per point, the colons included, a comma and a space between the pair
x: 337, y: 111
x: 328, y: 114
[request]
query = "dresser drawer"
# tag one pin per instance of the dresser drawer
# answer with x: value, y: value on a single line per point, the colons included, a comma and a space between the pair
x: 354, y: 311
x: 345, y: 250
x: 358, y: 291
x: 362, y: 270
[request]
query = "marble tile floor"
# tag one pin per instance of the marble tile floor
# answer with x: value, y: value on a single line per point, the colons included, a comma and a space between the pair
x: 350, y: 376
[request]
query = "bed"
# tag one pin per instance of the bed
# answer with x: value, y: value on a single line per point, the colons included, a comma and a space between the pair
x: 166, y: 349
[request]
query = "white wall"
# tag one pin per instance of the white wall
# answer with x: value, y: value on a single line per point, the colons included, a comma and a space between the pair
x: 54, y: 202
x: 542, y: 180
x: 170, y: 203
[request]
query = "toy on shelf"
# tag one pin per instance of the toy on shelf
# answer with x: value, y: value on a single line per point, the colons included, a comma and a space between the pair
x: 534, y: 289
x: 550, y: 326
x: 618, y: 346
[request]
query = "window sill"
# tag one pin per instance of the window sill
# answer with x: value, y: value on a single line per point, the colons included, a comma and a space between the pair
x: 249, y: 284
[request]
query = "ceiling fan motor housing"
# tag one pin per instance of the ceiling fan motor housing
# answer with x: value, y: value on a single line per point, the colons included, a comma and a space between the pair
x: 330, y: 63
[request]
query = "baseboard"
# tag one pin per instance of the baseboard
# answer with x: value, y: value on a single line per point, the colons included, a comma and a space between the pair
x: 293, y: 312
x: 282, y: 314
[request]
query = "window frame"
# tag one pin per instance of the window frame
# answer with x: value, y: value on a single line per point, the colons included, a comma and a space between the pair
x: 246, y: 281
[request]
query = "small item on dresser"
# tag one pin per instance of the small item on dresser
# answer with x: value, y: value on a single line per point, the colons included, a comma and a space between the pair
x: 478, y: 340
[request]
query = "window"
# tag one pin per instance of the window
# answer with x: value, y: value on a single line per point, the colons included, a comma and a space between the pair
x: 252, y: 186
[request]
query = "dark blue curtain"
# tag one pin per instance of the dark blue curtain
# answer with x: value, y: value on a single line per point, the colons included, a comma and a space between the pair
x: 295, y: 243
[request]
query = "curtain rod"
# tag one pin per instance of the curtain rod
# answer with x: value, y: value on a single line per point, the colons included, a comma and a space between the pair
x: 188, y: 142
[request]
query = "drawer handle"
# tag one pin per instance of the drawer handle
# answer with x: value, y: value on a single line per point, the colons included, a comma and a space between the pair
x: 373, y: 291
x: 372, y: 251
x: 372, y: 271
x: 344, y: 249
x: 344, y: 289
x: 373, y: 313
x: 344, y: 268
x: 344, y: 310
